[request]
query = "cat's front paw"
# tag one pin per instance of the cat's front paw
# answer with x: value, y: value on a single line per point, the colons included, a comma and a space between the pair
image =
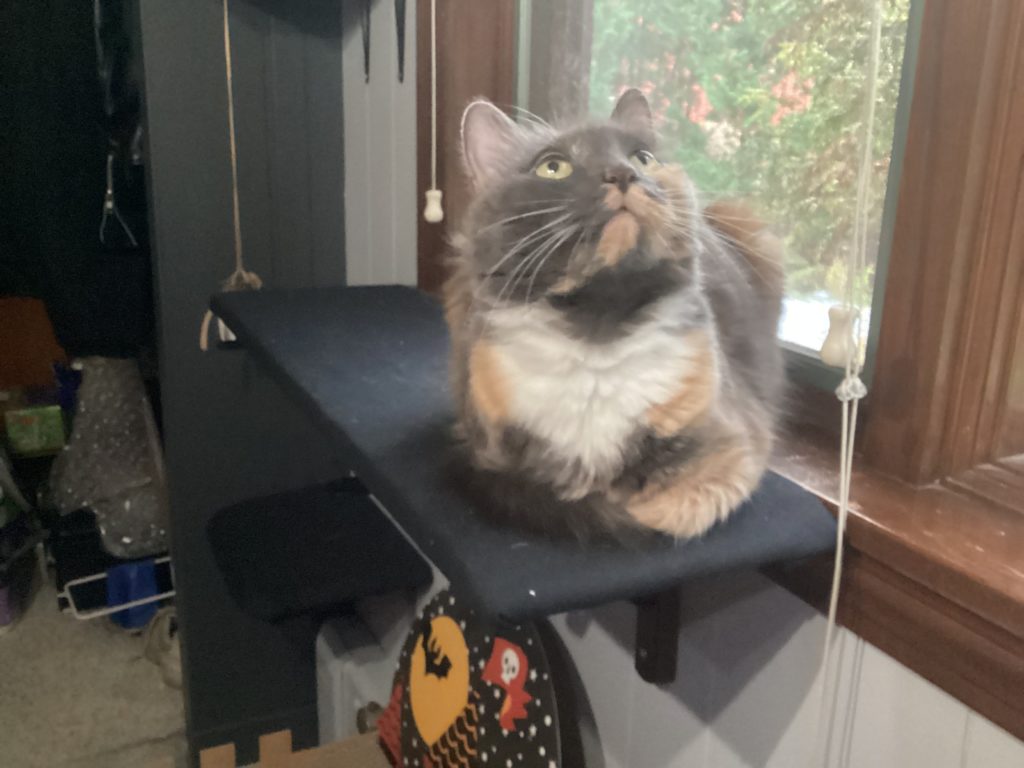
x: 692, y: 501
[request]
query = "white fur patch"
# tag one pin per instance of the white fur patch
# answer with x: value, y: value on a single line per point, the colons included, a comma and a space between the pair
x: 586, y: 400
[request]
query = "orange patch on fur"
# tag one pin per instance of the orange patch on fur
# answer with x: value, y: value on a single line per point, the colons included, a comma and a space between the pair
x: 487, y: 384
x: 564, y: 285
x: 671, y: 177
x: 702, y: 493
x: 613, y: 198
x: 750, y: 236
x: 638, y: 203
x: 618, y: 238
x: 696, y: 393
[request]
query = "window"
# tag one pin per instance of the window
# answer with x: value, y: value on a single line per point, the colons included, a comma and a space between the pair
x: 936, y: 539
x: 761, y: 100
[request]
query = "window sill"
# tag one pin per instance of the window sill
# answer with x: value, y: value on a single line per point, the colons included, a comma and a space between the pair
x: 933, y: 576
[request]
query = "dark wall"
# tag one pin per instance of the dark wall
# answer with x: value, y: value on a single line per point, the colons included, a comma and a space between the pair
x: 58, y: 119
x: 230, y: 433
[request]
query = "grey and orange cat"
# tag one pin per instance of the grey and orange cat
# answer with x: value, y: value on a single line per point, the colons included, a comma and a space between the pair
x: 614, y: 360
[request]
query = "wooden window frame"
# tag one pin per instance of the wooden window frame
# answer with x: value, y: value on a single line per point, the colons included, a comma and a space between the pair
x: 935, y: 551
x: 476, y: 56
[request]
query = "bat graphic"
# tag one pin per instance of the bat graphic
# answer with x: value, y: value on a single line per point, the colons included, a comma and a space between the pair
x: 437, y: 664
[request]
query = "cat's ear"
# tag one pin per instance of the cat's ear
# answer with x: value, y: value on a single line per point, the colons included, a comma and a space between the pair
x: 633, y: 112
x: 488, y: 135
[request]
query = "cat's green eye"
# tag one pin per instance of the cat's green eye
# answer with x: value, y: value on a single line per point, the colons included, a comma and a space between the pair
x: 643, y: 160
x: 553, y: 167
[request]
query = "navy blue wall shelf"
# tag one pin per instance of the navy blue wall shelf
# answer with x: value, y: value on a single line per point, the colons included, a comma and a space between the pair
x: 370, y: 364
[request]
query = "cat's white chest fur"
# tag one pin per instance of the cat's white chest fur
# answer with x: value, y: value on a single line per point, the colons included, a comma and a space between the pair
x: 585, y: 399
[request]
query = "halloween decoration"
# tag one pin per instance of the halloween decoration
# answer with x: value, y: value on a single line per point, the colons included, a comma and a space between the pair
x: 470, y: 691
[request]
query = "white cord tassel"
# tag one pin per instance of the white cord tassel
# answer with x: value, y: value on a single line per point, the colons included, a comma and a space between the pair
x: 841, y: 342
x: 433, y: 212
x: 842, y: 349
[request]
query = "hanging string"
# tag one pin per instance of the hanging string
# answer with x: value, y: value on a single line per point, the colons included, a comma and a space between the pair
x: 432, y: 210
x: 110, y: 209
x: 851, y: 390
x: 433, y: 94
x: 241, y: 279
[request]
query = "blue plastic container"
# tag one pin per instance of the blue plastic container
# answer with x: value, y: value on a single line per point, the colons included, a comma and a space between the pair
x: 127, y: 583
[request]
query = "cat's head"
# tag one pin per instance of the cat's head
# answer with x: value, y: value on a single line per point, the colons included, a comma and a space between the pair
x: 556, y: 209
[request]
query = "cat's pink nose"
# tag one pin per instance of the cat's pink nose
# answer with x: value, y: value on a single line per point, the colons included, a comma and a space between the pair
x: 621, y: 176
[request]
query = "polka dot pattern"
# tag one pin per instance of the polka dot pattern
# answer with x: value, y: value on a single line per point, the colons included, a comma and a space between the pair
x: 477, y: 736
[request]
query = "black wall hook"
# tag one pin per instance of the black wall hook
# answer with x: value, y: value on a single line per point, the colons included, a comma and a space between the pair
x: 366, y: 38
x: 400, y: 29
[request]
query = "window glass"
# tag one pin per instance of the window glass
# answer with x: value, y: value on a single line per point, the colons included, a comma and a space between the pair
x: 764, y: 100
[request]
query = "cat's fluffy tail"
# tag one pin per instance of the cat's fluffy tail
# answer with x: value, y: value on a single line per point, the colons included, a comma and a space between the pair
x: 749, y: 236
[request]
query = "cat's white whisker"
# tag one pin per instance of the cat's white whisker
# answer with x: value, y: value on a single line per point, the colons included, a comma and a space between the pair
x: 521, y: 216
x: 520, y: 269
x: 525, y: 240
x: 523, y: 267
x: 568, y: 233
x: 538, y: 260
x: 531, y: 117
x: 541, y: 233
x: 542, y: 201
x: 545, y: 238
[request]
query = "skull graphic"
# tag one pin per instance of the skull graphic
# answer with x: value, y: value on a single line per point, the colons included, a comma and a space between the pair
x: 509, y: 666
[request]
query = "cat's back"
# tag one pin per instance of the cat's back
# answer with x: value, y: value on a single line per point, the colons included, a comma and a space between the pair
x: 743, y: 279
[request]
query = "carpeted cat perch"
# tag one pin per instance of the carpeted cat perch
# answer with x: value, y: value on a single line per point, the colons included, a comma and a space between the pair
x: 369, y: 365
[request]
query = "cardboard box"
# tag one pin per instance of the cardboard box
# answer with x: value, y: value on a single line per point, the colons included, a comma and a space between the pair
x: 276, y: 750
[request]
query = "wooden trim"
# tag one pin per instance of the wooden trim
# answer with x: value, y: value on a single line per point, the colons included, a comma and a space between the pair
x: 1010, y: 440
x: 997, y: 483
x: 476, y: 57
x: 955, y: 286
x: 932, y: 577
x: 560, y: 48
x: 966, y: 549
